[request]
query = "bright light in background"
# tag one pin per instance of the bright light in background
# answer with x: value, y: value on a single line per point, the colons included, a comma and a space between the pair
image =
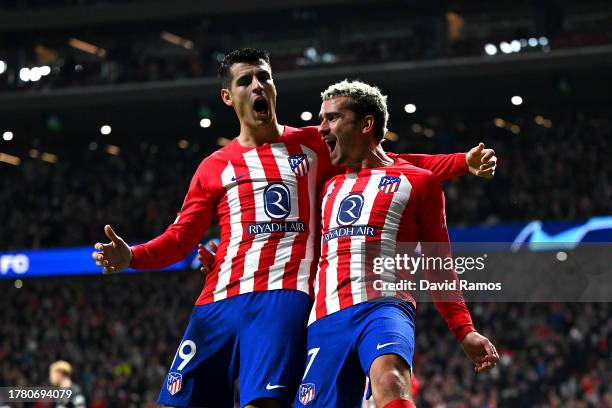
x: 24, y: 74
x: 515, y: 45
x: 523, y: 43
x: 35, y: 74
x: 306, y: 116
x: 2, y: 67
x: 8, y: 135
x: 516, y: 100
x: 505, y: 47
x: 543, y: 41
x: 205, y: 123
x: 533, y: 42
x: 410, y: 108
x: 106, y: 130
x: 490, y: 49
x: 45, y: 70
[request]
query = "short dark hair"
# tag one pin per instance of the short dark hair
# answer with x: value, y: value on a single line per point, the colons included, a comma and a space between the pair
x: 245, y: 55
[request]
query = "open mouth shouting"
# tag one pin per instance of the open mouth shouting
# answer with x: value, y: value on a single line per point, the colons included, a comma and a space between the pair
x: 261, y: 108
x: 331, y: 141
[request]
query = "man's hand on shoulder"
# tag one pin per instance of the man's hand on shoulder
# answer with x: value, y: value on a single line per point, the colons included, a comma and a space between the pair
x: 115, y: 256
x: 481, y: 162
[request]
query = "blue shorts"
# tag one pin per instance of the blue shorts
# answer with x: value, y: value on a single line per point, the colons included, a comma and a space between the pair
x: 258, y: 337
x: 343, y: 346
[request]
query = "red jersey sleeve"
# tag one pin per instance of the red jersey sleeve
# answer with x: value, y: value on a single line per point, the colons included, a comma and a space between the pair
x: 435, y: 243
x: 196, y: 215
x: 444, y: 166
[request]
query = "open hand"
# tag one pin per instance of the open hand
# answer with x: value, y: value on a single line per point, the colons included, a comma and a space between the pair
x: 114, y: 256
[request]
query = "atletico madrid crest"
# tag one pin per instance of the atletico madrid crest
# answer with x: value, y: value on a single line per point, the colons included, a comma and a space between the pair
x: 299, y: 164
x: 389, y: 184
x: 174, y: 383
x: 306, y: 393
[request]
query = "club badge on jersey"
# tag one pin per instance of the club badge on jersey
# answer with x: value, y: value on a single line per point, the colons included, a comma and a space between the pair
x: 299, y: 164
x: 306, y: 393
x: 174, y: 383
x: 389, y: 184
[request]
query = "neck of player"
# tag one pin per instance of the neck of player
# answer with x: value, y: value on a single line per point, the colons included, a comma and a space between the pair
x: 374, y: 157
x: 253, y: 136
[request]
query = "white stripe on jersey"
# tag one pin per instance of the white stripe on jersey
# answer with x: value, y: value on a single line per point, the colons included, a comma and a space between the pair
x: 233, y: 203
x: 258, y: 182
x: 306, y: 262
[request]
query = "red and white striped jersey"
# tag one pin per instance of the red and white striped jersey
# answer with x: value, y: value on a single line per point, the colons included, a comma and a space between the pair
x: 265, y: 200
x: 364, y: 215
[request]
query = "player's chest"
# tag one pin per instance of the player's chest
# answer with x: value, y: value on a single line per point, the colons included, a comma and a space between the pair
x: 270, y: 179
x: 377, y: 200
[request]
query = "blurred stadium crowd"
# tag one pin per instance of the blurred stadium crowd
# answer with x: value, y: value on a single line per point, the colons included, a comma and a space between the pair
x: 549, y: 171
x: 303, y: 38
x: 121, y: 333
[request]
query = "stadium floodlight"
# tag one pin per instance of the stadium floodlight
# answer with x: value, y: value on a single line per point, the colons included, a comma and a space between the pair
x: 410, y: 108
x: 306, y: 116
x: 45, y: 70
x: 533, y: 42
x: 505, y: 47
x: 8, y: 135
x: 490, y: 49
x: 35, y: 74
x: 543, y: 41
x: 516, y: 100
x: 3, y: 67
x: 106, y: 130
x: 515, y: 45
x: 24, y: 74
x: 205, y: 123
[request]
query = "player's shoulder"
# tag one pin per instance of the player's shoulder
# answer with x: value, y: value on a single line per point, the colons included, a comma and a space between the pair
x: 417, y: 176
x: 306, y: 134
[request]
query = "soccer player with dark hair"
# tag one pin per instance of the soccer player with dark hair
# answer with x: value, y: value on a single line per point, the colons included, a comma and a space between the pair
x: 357, y: 328
x: 249, y: 321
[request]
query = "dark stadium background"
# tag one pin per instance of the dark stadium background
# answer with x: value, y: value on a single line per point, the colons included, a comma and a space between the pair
x: 147, y: 70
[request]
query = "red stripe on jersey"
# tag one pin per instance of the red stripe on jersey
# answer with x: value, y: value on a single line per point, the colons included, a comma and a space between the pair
x: 321, y: 307
x: 299, y: 251
x: 247, y: 216
x: 268, y: 251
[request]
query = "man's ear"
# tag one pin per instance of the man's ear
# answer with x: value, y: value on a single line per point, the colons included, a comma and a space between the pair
x: 368, y: 124
x: 226, y: 97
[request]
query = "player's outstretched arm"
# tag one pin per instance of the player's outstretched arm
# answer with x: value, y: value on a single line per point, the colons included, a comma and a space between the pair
x: 115, y: 256
x: 479, y: 161
x: 480, y: 350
